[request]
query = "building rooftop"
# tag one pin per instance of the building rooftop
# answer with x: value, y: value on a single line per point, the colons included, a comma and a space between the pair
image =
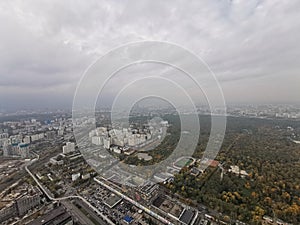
x: 158, y: 201
x: 56, y: 216
x: 113, y: 200
x: 187, y: 216
x: 128, y: 219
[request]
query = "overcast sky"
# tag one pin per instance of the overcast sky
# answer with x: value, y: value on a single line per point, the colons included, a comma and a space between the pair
x: 251, y: 45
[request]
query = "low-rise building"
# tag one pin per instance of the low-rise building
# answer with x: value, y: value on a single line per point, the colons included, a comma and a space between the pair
x: 75, y: 176
x: 8, y: 211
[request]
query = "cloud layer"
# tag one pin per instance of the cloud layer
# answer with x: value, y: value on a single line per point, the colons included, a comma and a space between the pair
x: 251, y: 45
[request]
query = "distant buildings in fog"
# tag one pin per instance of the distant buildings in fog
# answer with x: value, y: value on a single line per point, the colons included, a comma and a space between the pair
x: 17, y: 138
x: 127, y: 137
x: 16, y: 149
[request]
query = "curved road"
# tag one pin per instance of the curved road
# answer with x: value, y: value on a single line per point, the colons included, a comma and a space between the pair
x: 68, y: 197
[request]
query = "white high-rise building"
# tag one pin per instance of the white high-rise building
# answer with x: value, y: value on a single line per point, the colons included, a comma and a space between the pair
x: 5, y: 149
x: 60, y: 132
x: 23, y: 150
x: 26, y: 139
x: 97, y: 140
x: 132, y: 140
x: 35, y: 137
x: 69, y: 147
x: 106, y: 143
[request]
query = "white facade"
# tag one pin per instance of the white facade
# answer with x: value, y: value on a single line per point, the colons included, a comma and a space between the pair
x: 123, y: 136
x: 132, y: 140
x: 117, y: 150
x: 97, y: 140
x: 23, y: 150
x: 75, y: 176
x: 36, y: 137
x: 5, y: 149
x: 69, y: 147
x: 85, y: 176
x: 106, y: 143
x: 60, y: 132
x: 26, y: 139
x: 41, y: 135
x: 117, y: 141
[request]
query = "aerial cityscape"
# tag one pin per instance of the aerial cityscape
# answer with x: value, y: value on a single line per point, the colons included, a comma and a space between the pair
x: 150, y: 113
x: 45, y: 177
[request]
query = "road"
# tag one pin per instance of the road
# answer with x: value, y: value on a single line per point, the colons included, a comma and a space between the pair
x: 90, y: 212
x: 74, y: 211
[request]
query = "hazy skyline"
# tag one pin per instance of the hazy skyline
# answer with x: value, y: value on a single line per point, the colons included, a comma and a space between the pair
x: 252, y: 46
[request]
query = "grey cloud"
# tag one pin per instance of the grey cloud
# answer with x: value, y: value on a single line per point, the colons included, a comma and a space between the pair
x: 50, y: 43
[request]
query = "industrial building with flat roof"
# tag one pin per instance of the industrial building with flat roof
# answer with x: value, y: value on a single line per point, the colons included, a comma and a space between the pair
x: 187, y: 216
x: 58, y: 216
x: 112, y: 201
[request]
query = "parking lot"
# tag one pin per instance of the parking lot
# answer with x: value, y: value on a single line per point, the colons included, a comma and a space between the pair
x: 114, y: 208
